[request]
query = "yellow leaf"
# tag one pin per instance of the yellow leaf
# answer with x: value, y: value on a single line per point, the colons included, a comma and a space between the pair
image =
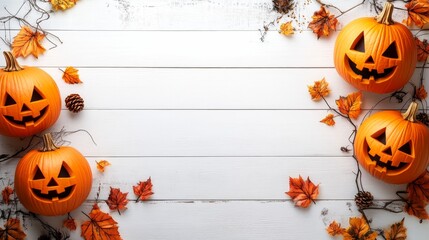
x: 287, y: 28
x: 102, y: 164
x: 350, y: 105
x: 335, y: 229
x: 27, y: 42
x: 328, y: 120
x: 319, y: 90
x: 71, y: 75
x: 62, y: 4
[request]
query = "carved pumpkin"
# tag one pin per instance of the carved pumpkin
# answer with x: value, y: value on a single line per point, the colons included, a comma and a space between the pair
x: 393, y: 147
x: 376, y: 55
x: 52, y: 181
x: 29, y: 99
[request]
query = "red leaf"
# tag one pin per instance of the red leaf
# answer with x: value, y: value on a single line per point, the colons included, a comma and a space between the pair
x: 143, y: 190
x: 101, y: 226
x: 117, y: 200
x: 418, y: 190
x: 302, y: 192
x: 417, y: 209
x: 12, y: 231
x: 7, y: 191
x: 323, y: 23
x: 70, y: 224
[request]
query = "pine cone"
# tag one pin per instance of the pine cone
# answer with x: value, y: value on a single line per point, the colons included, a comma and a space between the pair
x: 363, y: 199
x: 283, y: 6
x: 74, y: 103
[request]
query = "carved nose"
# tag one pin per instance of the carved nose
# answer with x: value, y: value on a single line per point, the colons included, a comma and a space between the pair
x: 52, y: 183
x: 369, y: 60
x: 25, y: 108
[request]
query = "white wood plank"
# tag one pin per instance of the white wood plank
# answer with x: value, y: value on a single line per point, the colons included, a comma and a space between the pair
x: 227, y: 178
x: 202, y: 133
x: 251, y: 220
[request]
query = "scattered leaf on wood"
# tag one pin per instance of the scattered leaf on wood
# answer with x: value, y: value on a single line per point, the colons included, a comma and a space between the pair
x: 117, y: 200
x: 6, y: 193
x: 287, y: 28
x: 12, y: 230
x: 101, y: 165
x: 422, y: 50
x: 323, y: 23
x: 417, y: 209
x: 71, y: 75
x: 359, y: 229
x: 350, y: 105
x: 421, y: 93
x: 397, y: 231
x: 27, y: 42
x: 100, y: 226
x: 328, y: 120
x: 418, y: 13
x: 303, y: 192
x: 70, y: 224
x: 319, y: 89
x: 335, y: 229
x: 62, y: 4
x: 418, y: 190
x: 143, y: 190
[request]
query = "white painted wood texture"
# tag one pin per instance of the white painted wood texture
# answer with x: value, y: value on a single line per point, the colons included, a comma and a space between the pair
x: 186, y: 93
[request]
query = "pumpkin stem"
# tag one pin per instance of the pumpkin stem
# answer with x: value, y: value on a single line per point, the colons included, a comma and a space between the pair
x: 385, y: 16
x: 11, y: 63
x: 48, y: 143
x: 411, y: 112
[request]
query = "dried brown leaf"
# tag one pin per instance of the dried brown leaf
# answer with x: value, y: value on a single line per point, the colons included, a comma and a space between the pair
x: 323, y: 23
x: 303, y: 192
x: 397, y: 231
x: 12, y: 230
x: 71, y: 76
x: 100, y: 226
x: 418, y: 13
x: 143, y: 190
x: 6, y: 193
x: 335, y: 229
x: 359, y: 230
x: 319, y: 89
x: 117, y: 200
x: 350, y: 105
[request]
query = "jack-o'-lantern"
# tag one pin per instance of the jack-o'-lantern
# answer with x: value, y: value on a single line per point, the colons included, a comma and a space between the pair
x: 29, y: 99
x: 393, y: 147
x: 54, y: 180
x: 376, y: 54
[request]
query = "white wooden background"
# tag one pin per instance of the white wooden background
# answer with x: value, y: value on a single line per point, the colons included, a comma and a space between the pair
x: 185, y: 92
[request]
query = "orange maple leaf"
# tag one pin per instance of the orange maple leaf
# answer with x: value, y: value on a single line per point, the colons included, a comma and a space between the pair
x: 417, y: 209
x: 422, y: 50
x: 335, y: 229
x: 418, y: 13
x: 418, y: 190
x: 359, y: 229
x: 421, y: 93
x: 100, y: 226
x: 101, y: 165
x: 62, y: 4
x: 350, y: 105
x: 27, y: 42
x: 143, y: 190
x: 71, y: 75
x: 287, y: 28
x: 303, y: 192
x: 328, y: 120
x: 70, y: 224
x: 7, y: 191
x: 12, y: 230
x: 117, y: 200
x: 397, y: 231
x: 319, y: 89
x: 323, y: 23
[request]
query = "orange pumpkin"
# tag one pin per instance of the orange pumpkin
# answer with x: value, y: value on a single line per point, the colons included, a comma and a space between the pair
x: 393, y: 147
x: 52, y: 181
x: 376, y: 54
x: 30, y: 101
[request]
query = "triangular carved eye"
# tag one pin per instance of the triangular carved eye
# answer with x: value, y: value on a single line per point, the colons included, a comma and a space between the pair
x: 36, y: 96
x: 391, y: 51
x: 9, y: 100
x: 406, y: 148
x: 380, y: 136
x: 39, y: 175
x: 360, y: 44
x: 64, y: 173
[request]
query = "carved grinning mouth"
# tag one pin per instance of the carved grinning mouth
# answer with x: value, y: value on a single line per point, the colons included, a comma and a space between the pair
x: 388, y: 165
x: 27, y: 119
x: 53, y: 195
x: 370, y: 74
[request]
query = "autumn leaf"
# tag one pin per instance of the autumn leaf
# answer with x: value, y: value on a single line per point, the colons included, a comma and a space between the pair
x: 397, y: 231
x: 12, y: 230
x: 328, y: 120
x: 422, y: 50
x: 418, y: 190
x: 323, y: 23
x: 100, y: 226
x: 319, y: 89
x: 287, y: 28
x: 62, y: 4
x: 143, y: 190
x: 71, y: 75
x: 418, y: 13
x: 421, y: 93
x: 117, y: 200
x: 70, y: 224
x: 359, y: 229
x: 417, y: 209
x: 350, y: 105
x: 302, y: 192
x: 27, y: 42
x: 335, y: 229
x: 7, y: 191
x: 102, y: 164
